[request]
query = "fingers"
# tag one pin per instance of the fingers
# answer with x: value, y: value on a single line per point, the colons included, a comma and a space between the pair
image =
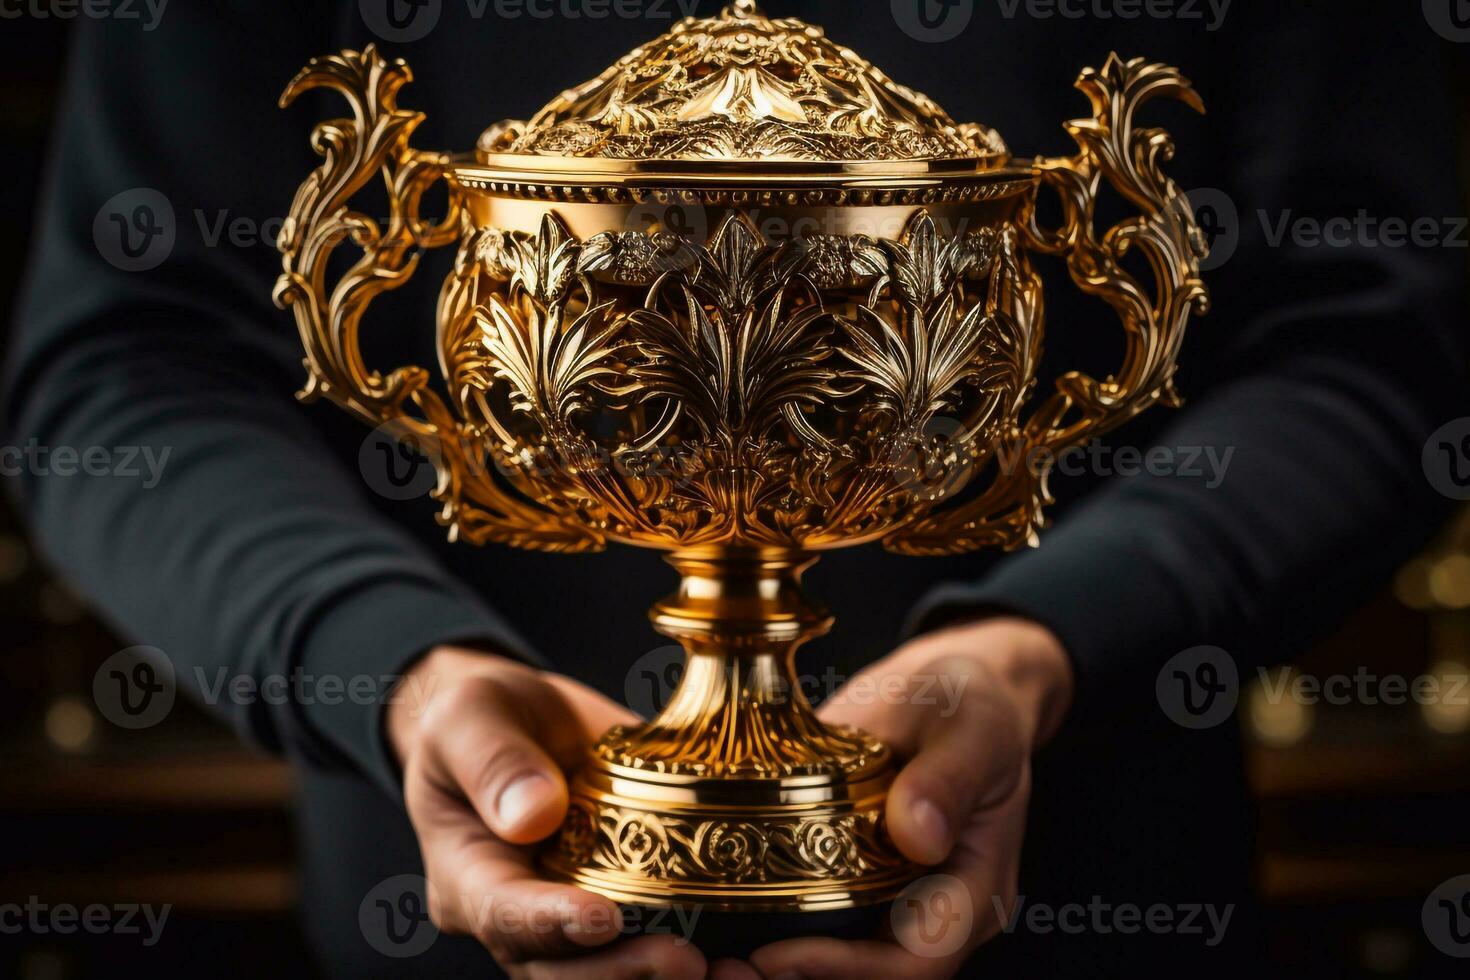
x: 485, y: 776
x: 732, y: 970
x: 942, y: 918
x: 836, y: 959
x: 964, y: 763
x: 491, y: 742
x: 538, y: 928
x: 958, y: 801
x: 937, y: 922
x: 635, y: 959
x: 490, y: 891
x: 964, y: 748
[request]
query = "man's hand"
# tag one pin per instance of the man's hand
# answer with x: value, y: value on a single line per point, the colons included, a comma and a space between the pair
x: 483, y: 762
x: 975, y: 702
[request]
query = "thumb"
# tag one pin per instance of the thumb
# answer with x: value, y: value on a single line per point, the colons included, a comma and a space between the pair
x: 486, y: 745
x: 963, y: 763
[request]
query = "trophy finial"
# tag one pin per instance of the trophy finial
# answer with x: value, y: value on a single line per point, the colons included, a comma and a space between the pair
x: 746, y: 8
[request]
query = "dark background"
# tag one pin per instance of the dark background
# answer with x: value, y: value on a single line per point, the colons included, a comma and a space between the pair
x: 1361, y: 809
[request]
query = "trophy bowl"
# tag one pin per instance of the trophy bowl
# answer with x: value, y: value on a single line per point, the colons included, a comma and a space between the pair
x: 742, y: 298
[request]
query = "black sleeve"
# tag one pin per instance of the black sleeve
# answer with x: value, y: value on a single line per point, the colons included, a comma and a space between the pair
x: 255, y: 554
x: 1322, y: 370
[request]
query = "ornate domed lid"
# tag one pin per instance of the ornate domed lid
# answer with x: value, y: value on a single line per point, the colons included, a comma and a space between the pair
x: 743, y: 88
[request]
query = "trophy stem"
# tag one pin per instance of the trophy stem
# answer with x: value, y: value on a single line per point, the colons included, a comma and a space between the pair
x: 739, y: 710
x: 736, y: 797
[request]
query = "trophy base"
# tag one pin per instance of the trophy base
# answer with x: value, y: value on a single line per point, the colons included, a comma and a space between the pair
x: 798, y: 843
x: 736, y: 798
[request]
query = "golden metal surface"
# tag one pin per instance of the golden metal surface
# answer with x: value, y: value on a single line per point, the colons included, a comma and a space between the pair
x: 743, y: 87
x: 845, y: 353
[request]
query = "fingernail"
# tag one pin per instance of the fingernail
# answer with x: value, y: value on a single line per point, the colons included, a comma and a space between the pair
x: 933, y: 827
x: 522, y: 798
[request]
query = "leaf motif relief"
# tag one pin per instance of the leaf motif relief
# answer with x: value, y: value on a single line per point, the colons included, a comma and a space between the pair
x: 745, y: 351
x: 954, y: 351
x: 728, y: 272
x: 549, y: 371
x: 781, y: 362
x: 744, y: 407
x: 545, y: 265
x: 882, y: 359
x: 914, y: 370
x: 918, y: 262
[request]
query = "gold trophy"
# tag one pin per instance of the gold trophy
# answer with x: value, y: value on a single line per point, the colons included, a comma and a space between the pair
x: 742, y: 298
